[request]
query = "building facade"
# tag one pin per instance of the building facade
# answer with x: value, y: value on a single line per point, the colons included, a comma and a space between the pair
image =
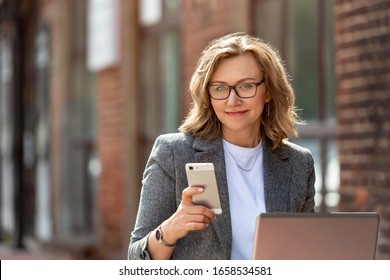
x: 86, y: 87
x: 362, y: 36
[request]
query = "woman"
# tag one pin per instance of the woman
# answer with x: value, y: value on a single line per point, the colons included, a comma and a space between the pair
x: 242, y: 112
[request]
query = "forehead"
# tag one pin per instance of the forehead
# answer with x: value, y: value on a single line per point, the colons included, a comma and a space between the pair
x: 236, y: 68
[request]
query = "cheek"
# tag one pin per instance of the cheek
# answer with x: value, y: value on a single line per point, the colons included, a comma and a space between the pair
x: 258, y: 103
x: 214, y: 105
x: 259, y: 107
x: 218, y: 109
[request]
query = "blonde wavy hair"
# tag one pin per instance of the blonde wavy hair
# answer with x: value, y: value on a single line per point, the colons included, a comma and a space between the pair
x: 279, y: 120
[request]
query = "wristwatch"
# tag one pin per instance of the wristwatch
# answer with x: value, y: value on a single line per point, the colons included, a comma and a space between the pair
x: 159, y: 237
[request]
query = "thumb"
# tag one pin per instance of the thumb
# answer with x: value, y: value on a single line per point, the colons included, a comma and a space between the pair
x: 189, y: 192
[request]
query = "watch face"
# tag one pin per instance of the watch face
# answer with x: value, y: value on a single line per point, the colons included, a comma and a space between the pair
x: 158, y: 234
x: 159, y: 237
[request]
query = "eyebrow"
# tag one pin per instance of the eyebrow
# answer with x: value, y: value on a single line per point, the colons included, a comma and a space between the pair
x: 238, y: 82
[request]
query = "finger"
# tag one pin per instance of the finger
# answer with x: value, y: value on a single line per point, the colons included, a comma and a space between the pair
x: 188, y: 218
x: 189, y: 192
x: 196, y: 222
x: 192, y: 226
x: 198, y: 218
x: 204, y: 210
x: 199, y: 210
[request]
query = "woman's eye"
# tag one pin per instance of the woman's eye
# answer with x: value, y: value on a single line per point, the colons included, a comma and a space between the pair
x: 221, y: 88
x: 245, y: 86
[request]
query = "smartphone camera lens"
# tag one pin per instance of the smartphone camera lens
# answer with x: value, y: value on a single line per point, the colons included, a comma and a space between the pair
x: 191, y: 168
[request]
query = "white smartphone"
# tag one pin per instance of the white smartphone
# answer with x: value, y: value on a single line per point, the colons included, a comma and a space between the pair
x: 203, y: 174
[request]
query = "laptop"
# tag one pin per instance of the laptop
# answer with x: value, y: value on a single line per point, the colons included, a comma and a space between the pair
x: 316, y: 236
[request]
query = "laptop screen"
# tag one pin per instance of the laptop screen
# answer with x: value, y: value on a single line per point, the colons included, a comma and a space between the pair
x: 316, y: 236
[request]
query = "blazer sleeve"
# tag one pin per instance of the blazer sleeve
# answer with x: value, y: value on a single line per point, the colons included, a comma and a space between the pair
x: 157, y: 199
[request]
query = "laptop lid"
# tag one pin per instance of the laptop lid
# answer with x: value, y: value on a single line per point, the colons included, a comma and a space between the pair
x: 316, y: 236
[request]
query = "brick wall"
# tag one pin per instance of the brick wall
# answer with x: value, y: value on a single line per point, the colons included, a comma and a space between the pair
x: 118, y: 189
x: 117, y: 141
x: 362, y: 30
x: 112, y: 153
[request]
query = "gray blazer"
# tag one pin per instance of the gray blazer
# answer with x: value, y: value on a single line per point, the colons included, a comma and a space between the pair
x: 288, y: 183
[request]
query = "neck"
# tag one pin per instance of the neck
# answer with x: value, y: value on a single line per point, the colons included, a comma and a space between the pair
x: 242, y: 139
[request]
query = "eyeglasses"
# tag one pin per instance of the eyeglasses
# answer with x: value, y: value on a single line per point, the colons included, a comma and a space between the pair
x: 243, y: 90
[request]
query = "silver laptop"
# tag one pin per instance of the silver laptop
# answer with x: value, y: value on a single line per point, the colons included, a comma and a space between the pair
x: 316, y: 236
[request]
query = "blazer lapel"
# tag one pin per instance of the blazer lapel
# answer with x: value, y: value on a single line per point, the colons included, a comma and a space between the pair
x: 212, y: 151
x: 276, y: 177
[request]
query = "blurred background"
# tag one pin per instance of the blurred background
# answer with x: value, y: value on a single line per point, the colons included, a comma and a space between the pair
x: 87, y: 85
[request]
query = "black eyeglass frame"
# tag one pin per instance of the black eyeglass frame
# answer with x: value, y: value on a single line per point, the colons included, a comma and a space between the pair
x: 234, y: 87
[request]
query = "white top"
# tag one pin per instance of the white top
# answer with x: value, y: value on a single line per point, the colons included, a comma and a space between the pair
x: 244, y: 170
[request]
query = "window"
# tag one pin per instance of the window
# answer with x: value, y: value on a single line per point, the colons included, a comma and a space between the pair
x: 160, y: 75
x: 77, y: 211
x: 305, y: 39
x: 7, y: 162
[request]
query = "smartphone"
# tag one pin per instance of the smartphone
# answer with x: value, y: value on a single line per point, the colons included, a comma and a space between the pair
x: 203, y: 174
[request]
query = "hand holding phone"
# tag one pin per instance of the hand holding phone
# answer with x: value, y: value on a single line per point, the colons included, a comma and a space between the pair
x: 203, y: 174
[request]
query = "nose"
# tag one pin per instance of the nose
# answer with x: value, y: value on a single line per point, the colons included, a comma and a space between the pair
x: 233, y: 98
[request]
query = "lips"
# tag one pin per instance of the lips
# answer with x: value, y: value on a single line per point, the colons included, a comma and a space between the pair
x: 236, y: 113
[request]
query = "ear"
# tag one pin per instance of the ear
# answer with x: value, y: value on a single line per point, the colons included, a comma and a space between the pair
x: 268, y: 98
